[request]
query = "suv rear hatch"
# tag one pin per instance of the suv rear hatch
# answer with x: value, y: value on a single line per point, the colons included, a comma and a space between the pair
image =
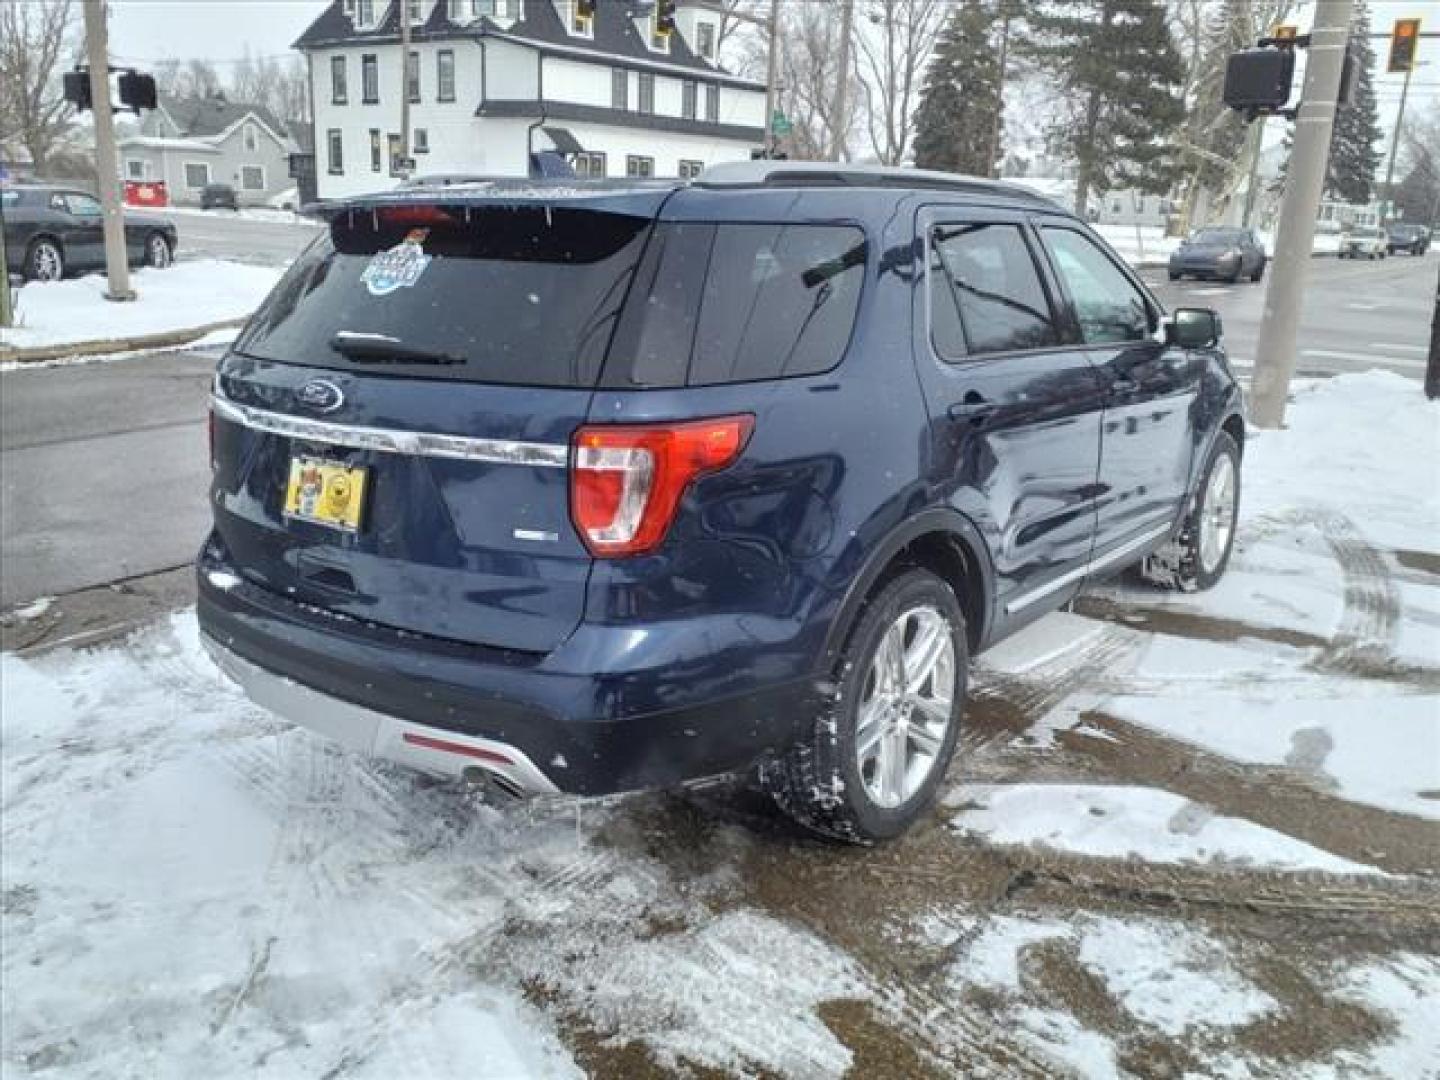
x: 392, y: 428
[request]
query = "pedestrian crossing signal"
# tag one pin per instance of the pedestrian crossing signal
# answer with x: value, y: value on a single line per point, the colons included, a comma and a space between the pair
x: 1403, y: 42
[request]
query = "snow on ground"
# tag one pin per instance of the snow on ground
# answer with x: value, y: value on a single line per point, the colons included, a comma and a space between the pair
x: 1125, y: 822
x: 181, y: 296
x: 247, y: 213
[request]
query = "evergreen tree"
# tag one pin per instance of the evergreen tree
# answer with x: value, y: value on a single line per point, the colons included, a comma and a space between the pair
x: 1355, y: 140
x: 955, y: 122
x: 1120, y: 75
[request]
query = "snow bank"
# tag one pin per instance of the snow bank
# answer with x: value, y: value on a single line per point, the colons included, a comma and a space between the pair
x: 185, y: 295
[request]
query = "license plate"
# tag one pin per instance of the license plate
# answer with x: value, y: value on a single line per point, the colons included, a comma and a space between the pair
x: 325, y: 492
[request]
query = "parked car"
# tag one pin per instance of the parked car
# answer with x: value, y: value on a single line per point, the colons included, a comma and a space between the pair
x: 1403, y: 237
x: 1363, y: 243
x: 605, y: 485
x: 1227, y: 254
x: 218, y: 197
x: 52, y: 231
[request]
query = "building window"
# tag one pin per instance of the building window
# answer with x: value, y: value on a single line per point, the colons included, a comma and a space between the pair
x: 639, y: 166
x: 647, y: 92
x: 687, y: 99
x: 580, y: 25
x: 445, y: 75
x: 712, y: 103
x: 589, y: 163
x: 412, y: 78
x: 375, y: 150
x: 365, y: 12
x: 414, y: 11
x: 197, y: 174
x: 482, y: 7
x: 251, y: 139
x: 337, y: 157
x: 619, y: 89
x: 370, y: 79
x: 135, y: 169
x: 252, y: 178
x: 658, y: 41
x: 422, y: 141
x: 691, y: 170
x: 395, y: 146
x: 705, y: 40
x: 338, y: 93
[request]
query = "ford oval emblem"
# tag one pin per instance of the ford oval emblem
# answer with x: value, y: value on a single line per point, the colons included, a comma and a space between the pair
x: 321, y: 395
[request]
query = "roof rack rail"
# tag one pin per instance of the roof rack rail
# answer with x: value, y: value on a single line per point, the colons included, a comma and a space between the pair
x: 781, y: 173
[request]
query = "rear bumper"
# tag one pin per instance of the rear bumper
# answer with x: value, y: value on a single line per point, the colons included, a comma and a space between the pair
x: 565, y: 721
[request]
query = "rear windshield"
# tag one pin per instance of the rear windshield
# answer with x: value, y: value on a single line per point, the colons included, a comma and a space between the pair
x: 1219, y: 236
x: 524, y: 294
x: 725, y: 303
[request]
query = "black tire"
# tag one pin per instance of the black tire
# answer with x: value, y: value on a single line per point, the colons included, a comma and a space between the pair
x: 1259, y: 271
x: 1174, y: 276
x: 155, y: 244
x: 820, y: 782
x: 1181, y: 564
x: 44, y: 260
x: 1233, y: 278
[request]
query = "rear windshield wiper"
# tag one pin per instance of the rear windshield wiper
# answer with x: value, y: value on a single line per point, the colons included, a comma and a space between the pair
x: 384, y: 349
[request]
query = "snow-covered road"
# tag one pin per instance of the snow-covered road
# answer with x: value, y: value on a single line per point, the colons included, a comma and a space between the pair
x: 1185, y: 835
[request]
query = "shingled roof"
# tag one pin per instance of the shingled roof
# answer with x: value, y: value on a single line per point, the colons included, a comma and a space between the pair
x: 203, y: 117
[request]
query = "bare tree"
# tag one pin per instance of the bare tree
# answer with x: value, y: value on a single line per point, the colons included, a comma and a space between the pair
x: 35, y: 37
x: 894, y: 39
x: 809, y: 50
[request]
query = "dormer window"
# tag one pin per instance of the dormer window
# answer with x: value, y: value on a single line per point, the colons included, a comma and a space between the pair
x: 349, y: 9
x: 705, y: 40
x: 364, y: 12
x: 415, y: 11
x: 580, y: 17
x: 659, y: 39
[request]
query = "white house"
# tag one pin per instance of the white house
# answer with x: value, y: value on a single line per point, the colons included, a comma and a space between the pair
x: 190, y: 142
x: 493, y: 81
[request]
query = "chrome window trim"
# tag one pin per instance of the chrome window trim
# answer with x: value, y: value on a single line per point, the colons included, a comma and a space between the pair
x: 392, y: 440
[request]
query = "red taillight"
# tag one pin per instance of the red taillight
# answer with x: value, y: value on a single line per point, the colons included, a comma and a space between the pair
x: 626, y: 480
x: 417, y: 214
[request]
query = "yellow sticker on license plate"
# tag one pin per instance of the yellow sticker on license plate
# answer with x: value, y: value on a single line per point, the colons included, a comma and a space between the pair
x: 326, y: 493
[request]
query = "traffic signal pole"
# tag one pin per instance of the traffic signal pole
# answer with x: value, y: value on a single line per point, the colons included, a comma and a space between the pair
x: 107, y: 162
x: 1389, y: 203
x: 1304, y: 184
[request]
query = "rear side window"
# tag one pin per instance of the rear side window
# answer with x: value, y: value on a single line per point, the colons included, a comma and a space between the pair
x: 727, y: 303
x: 521, y: 294
x: 985, y: 292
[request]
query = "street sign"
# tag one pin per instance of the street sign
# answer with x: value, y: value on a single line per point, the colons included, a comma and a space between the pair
x: 1403, y: 42
x: 779, y: 124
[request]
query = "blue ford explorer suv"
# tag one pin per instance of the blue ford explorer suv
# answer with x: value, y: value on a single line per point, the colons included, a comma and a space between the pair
x: 603, y: 486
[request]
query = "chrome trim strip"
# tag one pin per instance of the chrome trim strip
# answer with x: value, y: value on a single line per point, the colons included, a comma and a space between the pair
x: 393, y: 440
x: 1024, y: 600
x: 373, y: 733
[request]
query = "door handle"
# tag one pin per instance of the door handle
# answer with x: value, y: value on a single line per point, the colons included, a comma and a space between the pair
x: 974, y: 407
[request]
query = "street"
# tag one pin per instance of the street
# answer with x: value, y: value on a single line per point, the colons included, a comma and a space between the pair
x: 224, y: 234
x: 74, y: 436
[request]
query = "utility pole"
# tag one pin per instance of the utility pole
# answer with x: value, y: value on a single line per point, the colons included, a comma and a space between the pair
x: 840, y: 103
x: 772, y: 75
x: 1305, y: 180
x: 1257, y: 142
x: 6, y: 315
x: 1389, y: 203
x: 404, y: 88
x: 107, y: 163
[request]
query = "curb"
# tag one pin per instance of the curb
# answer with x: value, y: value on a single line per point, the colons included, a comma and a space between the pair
x: 41, y: 353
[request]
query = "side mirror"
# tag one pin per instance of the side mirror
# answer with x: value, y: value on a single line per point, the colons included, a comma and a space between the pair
x: 1193, y: 328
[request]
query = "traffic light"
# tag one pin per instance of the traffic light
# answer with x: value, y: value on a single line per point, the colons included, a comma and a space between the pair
x: 137, y: 91
x: 1403, y: 41
x: 664, y: 17
x: 77, y: 89
x: 1258, y: 80
x: 585, y: 9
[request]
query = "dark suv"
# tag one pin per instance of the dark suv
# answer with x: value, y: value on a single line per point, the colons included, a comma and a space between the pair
x: 611, y: 485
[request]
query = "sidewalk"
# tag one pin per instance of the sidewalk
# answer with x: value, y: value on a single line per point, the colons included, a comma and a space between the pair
x: 175, y: 306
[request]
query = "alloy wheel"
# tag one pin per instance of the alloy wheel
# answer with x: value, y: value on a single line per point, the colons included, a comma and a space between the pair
x: 905, y: 706
x: 46, y: 263
x: 1217, y: 513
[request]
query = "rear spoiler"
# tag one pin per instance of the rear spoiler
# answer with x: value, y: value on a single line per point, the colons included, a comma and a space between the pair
x: 638, y: 197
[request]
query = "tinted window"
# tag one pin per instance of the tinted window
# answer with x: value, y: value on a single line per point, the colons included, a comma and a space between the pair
x: 84, y: 205
x: 985, y: 293
x: 523, y: 294
x: 1218, y: 236
x: 1108, y: 307
x: 733, y: 303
